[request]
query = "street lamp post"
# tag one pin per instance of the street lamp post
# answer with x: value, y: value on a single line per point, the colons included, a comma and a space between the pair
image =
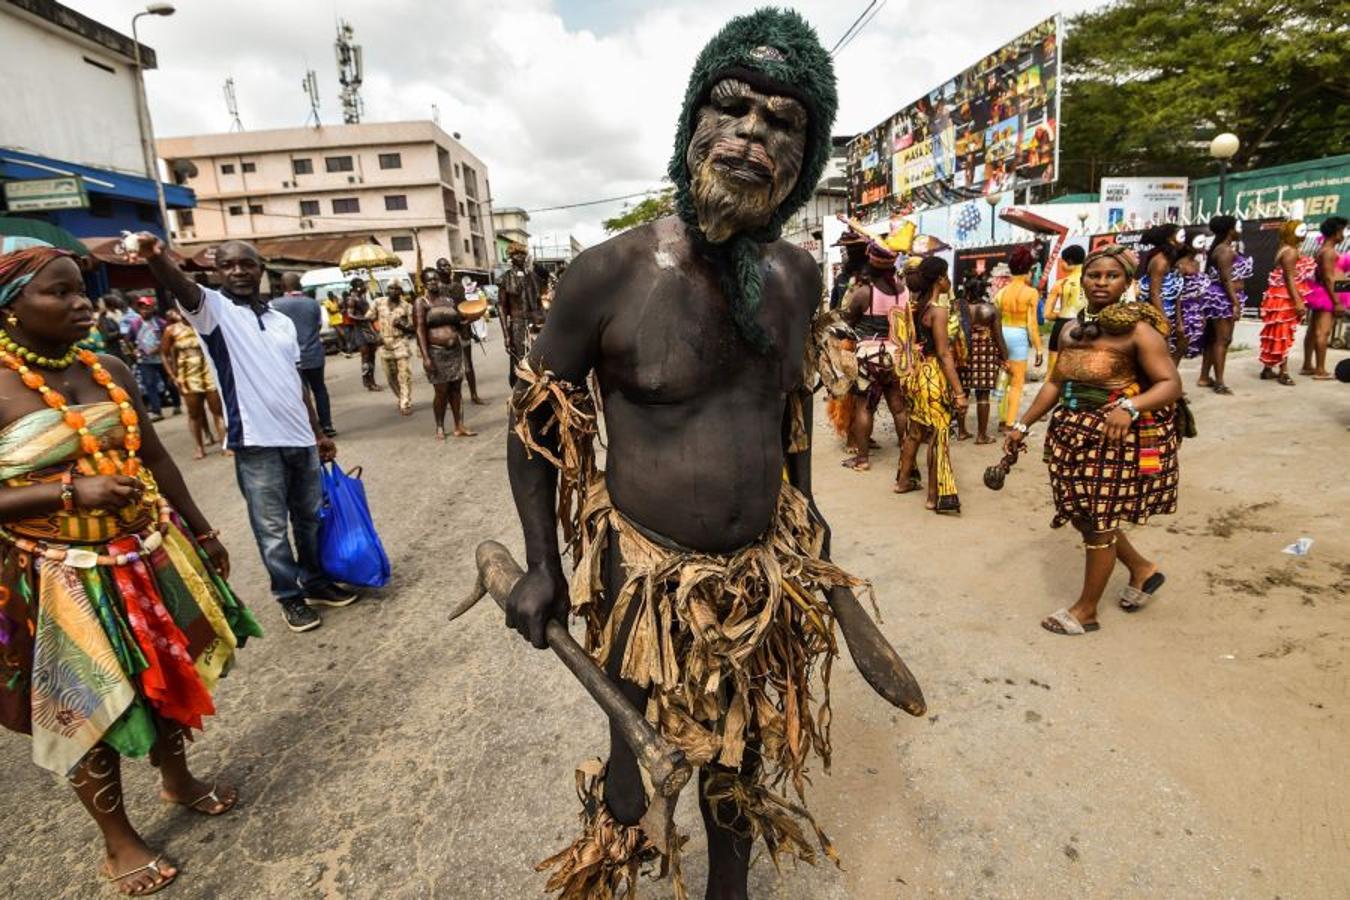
x: 1223, y: 148
x: 143, y: 114
x: 992, y: 200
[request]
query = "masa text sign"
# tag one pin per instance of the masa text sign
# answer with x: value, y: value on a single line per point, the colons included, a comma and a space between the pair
x: 46, y: 193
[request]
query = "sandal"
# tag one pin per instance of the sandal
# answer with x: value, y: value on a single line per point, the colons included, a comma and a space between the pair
x: 1133, y: 599
x: 948, y: 506
x: 856, y: 463
x: 1286, y: 379
x: 1222, y: 389
x: 1323, y: 376
x: 159, y: 884
x: 1061, y: 621
x: 212, y: 798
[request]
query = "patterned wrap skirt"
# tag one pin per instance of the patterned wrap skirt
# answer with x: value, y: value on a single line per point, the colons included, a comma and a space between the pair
x: 985, y: 361
x: 1103, y: 484
x: 113, y: 627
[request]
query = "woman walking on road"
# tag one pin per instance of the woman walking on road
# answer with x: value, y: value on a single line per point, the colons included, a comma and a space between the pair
x: 1112, y: 441
x: 116, y: 622
x: 1322, y: 299
x: 185, y: 365
x: 1017, y: 304
x: 932, y: 390
x: 1228, y: 269
x: 437, y: 322
x: 1282, y: 307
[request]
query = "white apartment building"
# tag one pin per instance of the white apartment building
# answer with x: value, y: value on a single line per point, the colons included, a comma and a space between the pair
x: 299, y: 192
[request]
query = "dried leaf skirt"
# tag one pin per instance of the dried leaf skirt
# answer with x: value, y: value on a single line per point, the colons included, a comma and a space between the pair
x: 734, y: 649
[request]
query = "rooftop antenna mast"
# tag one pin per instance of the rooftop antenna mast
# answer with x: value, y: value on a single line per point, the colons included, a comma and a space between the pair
x: 349, y: 73
x: 436, y: 113
x: 232, y: 104
x: 311, y: 86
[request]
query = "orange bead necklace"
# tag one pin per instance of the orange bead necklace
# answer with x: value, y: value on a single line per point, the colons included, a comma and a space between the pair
x: 89, y: 442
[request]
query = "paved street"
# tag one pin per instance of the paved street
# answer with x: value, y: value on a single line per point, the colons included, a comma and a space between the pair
x: 1195, y: 750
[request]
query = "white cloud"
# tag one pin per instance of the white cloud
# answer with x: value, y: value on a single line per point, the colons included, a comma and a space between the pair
x: 559, y: 113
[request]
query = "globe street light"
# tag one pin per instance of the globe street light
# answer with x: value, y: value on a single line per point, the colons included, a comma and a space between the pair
x: 143, y: 114
x: 992, y: 200
x: 1223, y: 148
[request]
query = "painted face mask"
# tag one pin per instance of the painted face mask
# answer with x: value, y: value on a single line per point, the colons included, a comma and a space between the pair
x: 752, y: 141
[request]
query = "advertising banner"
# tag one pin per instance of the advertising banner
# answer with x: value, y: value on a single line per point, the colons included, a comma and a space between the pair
x: 1310, y: 191
x: 1137, y: 203
x: 992, y: 128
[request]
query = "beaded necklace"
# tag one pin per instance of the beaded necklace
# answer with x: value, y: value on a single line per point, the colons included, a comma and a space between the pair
x: 9, y: 345
x: 89, y: 443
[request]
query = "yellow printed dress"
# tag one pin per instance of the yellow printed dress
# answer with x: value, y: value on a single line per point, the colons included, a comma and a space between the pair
x: 194, y: 375
x: 113, y: 625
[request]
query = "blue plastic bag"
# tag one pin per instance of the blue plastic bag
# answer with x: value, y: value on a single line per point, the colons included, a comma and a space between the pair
x: 349, y: 547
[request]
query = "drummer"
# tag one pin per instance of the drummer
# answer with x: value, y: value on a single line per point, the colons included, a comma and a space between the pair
x: 437, y: 322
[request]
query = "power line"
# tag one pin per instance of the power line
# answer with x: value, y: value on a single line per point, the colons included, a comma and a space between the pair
x: 356, y: 218
x: 861, y: 28
x: 849, y: 30
x: 647, y: 193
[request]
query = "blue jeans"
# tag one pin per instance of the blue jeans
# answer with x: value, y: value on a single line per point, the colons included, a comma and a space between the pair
x: 283, y: 492
x: 154, y: 385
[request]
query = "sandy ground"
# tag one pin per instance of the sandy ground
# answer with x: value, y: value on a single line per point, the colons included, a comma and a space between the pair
x: 1195, y: 750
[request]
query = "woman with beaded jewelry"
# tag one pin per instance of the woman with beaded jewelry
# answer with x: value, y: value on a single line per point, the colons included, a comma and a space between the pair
x: 115, y: 619
x: 1112, y: 442
x: 1228, y: 269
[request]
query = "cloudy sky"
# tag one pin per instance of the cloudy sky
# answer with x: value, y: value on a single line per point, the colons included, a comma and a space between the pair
x: 565, y: 100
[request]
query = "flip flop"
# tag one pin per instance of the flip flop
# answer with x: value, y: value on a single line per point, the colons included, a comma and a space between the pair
x: 1067, y: 624
x: 1286, y: 379
x: 160, y: 883
x: 1133, y: 599
x: 212, y: 798
x: 1222, y: 389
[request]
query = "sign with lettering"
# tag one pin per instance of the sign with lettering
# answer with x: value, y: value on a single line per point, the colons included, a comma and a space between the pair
x: 38, y: 194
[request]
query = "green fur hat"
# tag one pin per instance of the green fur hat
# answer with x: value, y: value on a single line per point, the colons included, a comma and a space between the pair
x: 775, y: 51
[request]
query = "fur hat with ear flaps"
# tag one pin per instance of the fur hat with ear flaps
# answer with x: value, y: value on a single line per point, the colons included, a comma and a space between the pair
x: 775, y: 51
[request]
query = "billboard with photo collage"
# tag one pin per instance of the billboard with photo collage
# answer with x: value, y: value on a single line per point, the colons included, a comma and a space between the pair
x: 992, y: 128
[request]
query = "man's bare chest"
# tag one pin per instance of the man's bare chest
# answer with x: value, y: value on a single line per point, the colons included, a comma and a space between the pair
x: 677, y: 341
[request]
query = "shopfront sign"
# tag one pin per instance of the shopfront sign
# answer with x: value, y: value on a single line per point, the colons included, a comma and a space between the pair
x: 35, y: 195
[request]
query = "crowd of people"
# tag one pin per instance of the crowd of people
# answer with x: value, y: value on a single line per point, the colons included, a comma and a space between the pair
x: 1120, y: 323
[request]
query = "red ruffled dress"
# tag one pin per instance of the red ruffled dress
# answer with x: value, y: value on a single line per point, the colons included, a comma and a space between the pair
x: 1279, y: 315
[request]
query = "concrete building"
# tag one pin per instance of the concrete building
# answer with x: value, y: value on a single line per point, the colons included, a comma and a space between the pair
x: 806, y: 227
x: 300, y: 193
x: 512, y: 225
x: 70, y: 146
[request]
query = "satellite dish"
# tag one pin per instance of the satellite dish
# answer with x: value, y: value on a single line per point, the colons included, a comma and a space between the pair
x: 183, y: 169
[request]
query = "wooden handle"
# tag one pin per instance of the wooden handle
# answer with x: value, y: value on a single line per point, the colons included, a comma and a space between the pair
x: 876, y: 659
x: 669, y: 771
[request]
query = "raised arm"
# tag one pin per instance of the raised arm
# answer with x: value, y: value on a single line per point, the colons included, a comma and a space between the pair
x: 565, y: 353
x: 166, y: 272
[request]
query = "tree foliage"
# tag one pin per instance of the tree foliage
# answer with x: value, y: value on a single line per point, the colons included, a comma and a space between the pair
x: 1150, y: 82
x: 648, y: 210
